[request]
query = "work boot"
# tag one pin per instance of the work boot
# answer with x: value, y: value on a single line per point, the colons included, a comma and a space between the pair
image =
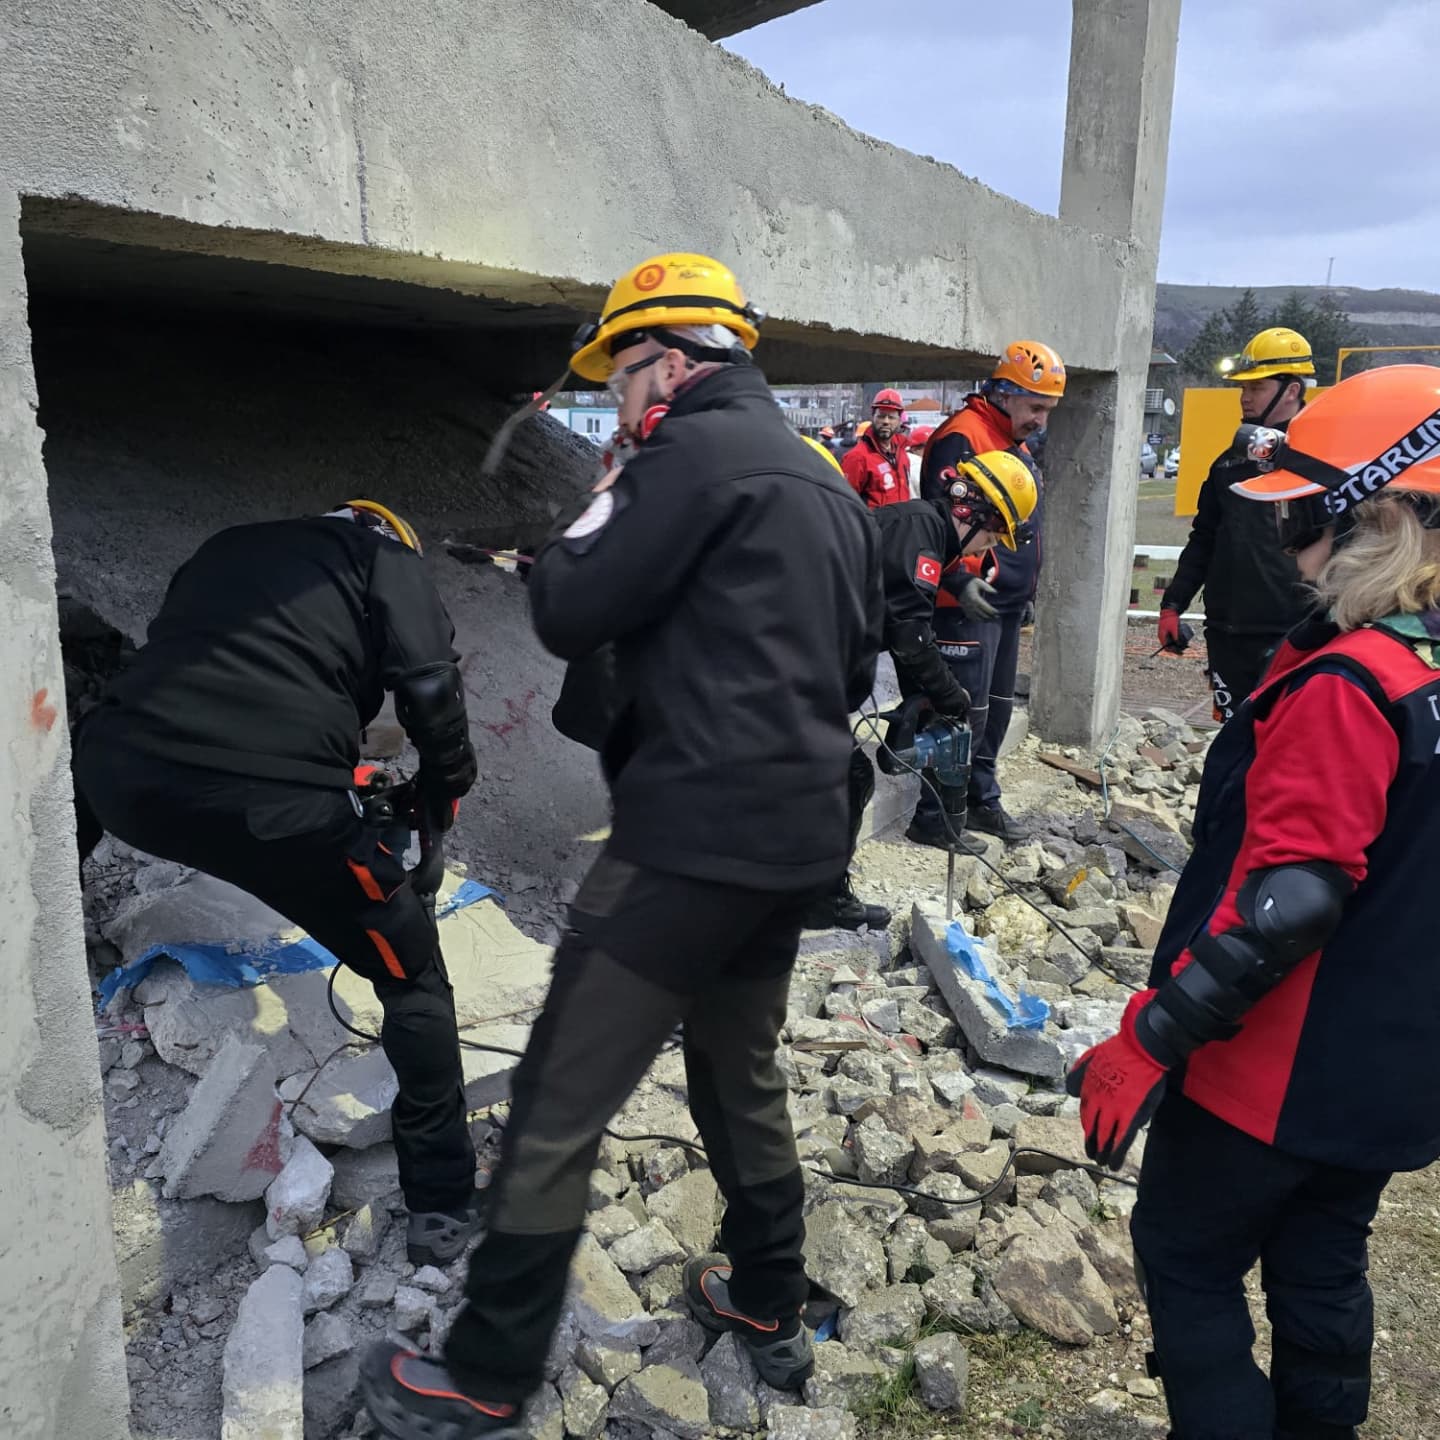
x: 436, y: 1237
x: 996, y: 820
x: 925, y: 834
x: 780, y: 1349
x: 412, y: 1398
x: 843, y: 909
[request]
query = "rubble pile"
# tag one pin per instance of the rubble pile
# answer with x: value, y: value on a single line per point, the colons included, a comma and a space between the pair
x: 262, y: 1231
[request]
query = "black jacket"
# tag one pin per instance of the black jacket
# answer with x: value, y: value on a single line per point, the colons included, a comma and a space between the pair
x: 737, y: 575
x: 273, y: 649
x: 1251, y: 585
x: 918, y: 540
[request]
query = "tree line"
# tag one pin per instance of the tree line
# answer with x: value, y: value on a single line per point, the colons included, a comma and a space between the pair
x: 1225, y: 332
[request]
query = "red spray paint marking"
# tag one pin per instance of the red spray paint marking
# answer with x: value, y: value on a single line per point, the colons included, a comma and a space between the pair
x: 42, y: 713
x: 265, y: 1152
x: 519, y: 714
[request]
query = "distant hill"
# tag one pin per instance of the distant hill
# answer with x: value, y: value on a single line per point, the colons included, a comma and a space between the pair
x: 1388, y: 317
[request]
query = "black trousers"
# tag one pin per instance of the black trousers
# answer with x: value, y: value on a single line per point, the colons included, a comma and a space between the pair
x: 970, y: 648
x: 645, y: 952
x: 1213, y: 1202
x: 1236, y: 663
x: 305, y: 852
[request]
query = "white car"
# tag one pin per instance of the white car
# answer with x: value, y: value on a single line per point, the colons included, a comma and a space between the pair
x: 1172, y: 464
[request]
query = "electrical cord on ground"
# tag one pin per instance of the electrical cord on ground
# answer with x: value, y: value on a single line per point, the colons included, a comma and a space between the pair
x: 1120, y: 824
x: 375, y: 1039
x: 874, y: 723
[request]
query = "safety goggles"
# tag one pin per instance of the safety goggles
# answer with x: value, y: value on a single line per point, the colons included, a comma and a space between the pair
x: 619, y: 380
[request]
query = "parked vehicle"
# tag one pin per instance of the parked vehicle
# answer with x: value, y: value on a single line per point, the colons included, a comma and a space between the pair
x: 1172, y: 464
x: 1148, y: 460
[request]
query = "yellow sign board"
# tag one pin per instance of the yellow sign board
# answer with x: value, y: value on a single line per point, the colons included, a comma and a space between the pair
x: 1208, y: 421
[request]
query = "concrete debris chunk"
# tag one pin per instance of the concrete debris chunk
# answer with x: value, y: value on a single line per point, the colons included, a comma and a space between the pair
x: 414, y: 1309
x: 882, y: 1157
x: 914, y: 1254
x: 585, y: 1406
x: 609, y: 1224
x: 1046, y: 1280
x: 942, y: 1373
x: 1027, y: 1052
x: 326, y: 1336
x: 365, y: 1232
x: 378, y: 1290
x: 226, y: 1142
x: 964, y: 1296
x: 432, y: 1279
x: 646, y: 1248
x: 883, y: 1317
x: 288, y: 1250
x: 295, y: 1199
x: 842, y: 1378
x: 799, y: 1423
x: 263, y: 1385
x: 730, y: 1383
x: 545, y: 1415
x: 608, y: 1362
x: 364, y: 1175
x: 687, y: 1207
x: 668, y: 1397
x: 841, y: 1254
x: 328, y: 1278
x: 604, y: 1305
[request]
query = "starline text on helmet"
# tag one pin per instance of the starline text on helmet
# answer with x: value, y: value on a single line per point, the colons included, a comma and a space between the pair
x: 1420, y: 445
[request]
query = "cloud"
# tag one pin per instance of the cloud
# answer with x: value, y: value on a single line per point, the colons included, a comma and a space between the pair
x: 1296, y: 135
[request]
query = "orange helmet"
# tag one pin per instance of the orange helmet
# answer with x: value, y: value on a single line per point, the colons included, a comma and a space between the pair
x: 1378, y: 430
x: 863, y: 428
x: 1033, y: 366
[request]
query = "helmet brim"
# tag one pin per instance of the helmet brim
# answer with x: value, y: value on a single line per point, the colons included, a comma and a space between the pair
x: 1277, y: 485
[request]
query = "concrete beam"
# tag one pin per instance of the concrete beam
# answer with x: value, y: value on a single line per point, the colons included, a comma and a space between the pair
x: 716, y: 19
x: 1117, y: 135
x: 63, y: 1369
x: 329, y: 137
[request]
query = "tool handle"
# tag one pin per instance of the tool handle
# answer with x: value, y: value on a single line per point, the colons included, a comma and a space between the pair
x: 898, y: 751
x: 425, y: 878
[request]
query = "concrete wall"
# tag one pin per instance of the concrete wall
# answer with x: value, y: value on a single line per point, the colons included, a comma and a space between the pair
x: 718, y: 18
x: 62, y: 1371
x: 460, y: 146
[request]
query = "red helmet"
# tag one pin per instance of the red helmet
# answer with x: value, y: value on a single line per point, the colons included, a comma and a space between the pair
x: 918, y: 436
x: 888, y: 400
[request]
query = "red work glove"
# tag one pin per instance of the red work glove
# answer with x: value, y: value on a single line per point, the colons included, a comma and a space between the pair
x: 1119, y: 1084
x: 1170, y: 630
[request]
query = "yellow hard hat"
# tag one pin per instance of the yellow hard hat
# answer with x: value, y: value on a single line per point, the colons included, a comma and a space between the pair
x: 664, y: 292
x: 819, y: 449
x: 998, y: 482
x: 1276, y: 351
x: 387, y: 522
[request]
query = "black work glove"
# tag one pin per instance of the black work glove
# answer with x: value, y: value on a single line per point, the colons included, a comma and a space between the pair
x: 1027, y: 615
x: 974, y: 597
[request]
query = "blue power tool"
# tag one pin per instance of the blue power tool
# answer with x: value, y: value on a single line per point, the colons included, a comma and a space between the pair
x: 919, y: 739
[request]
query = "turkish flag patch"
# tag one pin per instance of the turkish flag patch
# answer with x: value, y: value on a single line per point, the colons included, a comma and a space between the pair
x: 927, y: 571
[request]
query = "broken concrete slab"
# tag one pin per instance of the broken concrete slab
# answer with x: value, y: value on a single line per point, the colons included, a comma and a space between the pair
x: 688, y: 1208
x: 364, y: 1175
x: 942, y: 1372
x: 1028, y: 1052
x: 799, y: 1422
x: 842, y: 1255
x: 670, y: 1398
x: 348, y: 1102
x: 295, y: 1199
x: 226, y: 1142
x: 263, y: 1387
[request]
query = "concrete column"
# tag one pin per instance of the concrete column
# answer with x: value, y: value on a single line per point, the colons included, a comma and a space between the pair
x: 1117, y: 135
x: 62, y: 1365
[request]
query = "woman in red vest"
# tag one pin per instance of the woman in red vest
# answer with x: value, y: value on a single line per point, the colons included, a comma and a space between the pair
x: 1286, y: 1045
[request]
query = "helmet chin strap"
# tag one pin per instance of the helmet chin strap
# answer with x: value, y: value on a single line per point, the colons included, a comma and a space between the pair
x: 1288, y: 381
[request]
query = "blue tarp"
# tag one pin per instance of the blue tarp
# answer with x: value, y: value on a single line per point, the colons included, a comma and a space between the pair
x: 236, y: 967
x: 1027, y: 1012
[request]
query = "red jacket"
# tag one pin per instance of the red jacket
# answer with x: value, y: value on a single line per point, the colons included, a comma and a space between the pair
x: 1333, y: 758
x: 878, y: 479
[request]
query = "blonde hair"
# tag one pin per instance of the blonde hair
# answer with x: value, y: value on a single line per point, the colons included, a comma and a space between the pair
x: 1390, y: 563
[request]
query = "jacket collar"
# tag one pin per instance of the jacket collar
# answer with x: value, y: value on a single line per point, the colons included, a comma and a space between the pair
x: 993, y: 416
x: 718, y: 388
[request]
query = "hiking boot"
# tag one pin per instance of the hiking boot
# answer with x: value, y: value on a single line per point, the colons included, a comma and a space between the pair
x: 412, y: 1398
x: 780, y: 1349
x: 843, y: 909
x: 436, y: 1237
x: 996, y: 820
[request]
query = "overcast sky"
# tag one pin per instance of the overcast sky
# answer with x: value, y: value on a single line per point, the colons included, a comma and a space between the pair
x: 1300, y: 131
